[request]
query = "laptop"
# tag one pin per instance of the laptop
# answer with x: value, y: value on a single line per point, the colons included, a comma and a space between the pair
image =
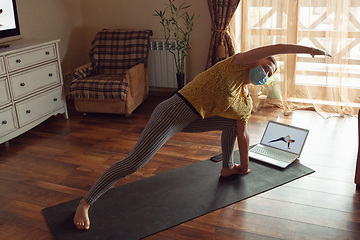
x: 281, y: 144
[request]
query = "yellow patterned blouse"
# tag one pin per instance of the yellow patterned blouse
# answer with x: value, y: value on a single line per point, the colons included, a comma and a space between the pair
x: 219, y: 92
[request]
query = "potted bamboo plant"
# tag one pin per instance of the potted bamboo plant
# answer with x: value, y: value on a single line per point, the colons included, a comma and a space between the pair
x: 179, y: 25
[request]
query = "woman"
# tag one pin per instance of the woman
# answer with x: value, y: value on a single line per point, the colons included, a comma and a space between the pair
x: 286, y: 139
x: 216, y: 99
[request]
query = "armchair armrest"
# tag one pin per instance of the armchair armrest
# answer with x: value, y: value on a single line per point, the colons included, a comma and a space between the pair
x: 83, y: 71
x: 87, y: 65
x: 137, y: 79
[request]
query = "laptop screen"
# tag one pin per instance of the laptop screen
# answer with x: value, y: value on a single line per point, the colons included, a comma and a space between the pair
x: 284, y: 137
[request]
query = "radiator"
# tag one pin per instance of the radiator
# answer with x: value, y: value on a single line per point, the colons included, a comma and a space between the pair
x: 162, y: 65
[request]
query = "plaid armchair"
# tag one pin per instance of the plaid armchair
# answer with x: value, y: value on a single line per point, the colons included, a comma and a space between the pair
x: 117, y: 78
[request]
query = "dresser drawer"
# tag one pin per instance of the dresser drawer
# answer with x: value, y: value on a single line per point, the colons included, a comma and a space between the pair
x: 2, y: 66
x: 4, y: 92
x: 7, y: 121
x: 30, y: 57
x: 39, y: 106
x: 35, y: 79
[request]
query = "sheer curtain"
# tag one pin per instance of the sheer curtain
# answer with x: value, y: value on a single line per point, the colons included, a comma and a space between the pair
x: 328, y: 85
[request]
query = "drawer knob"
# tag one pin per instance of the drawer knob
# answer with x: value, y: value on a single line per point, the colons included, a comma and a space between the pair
x: 55, y: 99
x: 22, y: 84
x: 18, y: 61
x: 47, y: 53
x: 28, y: 111
x: 50, y: 74
x: 4, y: 122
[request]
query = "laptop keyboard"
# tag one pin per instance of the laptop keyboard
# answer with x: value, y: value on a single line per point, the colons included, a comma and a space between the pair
x: 272, y: 153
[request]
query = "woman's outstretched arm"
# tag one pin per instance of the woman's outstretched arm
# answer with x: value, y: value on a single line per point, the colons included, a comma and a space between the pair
x: 257, y: 54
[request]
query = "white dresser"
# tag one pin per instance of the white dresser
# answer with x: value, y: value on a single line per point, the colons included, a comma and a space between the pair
x: 31, y: 86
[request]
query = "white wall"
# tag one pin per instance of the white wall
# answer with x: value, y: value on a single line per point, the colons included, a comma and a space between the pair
x: 75, y: 22
x: 138, y: 14
x: 55, y: 19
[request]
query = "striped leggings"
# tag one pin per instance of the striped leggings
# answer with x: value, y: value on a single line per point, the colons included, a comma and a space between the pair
x: 169, y: 117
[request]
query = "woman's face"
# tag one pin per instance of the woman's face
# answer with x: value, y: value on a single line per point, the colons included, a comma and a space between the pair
x: 268, y: 66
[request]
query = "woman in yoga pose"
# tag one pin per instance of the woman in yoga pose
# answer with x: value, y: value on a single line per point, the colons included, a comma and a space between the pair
x: 216, y: 99
x: 286, y: 139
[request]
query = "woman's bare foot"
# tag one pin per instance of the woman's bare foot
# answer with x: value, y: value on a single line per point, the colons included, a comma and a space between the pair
x: 236, y: 169
x: 81, y: 219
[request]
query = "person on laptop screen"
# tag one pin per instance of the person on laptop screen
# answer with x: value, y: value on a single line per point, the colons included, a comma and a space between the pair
x: 216, y: 99
x: 286, y: 139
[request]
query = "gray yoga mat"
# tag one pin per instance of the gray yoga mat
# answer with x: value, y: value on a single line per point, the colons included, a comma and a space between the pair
x: 145, y: 207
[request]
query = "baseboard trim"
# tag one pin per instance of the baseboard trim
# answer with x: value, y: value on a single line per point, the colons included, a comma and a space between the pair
x: 159, y: 91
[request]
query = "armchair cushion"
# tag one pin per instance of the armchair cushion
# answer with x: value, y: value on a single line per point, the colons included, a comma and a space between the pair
x: 101, y: 86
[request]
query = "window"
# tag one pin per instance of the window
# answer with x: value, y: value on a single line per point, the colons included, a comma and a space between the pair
x: 327, y: 24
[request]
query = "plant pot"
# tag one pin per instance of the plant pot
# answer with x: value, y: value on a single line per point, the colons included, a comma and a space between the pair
x: 180, y: 77
x: 273, y: 92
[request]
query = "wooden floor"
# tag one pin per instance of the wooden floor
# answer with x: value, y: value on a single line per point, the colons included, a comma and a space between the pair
x: 60, y: 159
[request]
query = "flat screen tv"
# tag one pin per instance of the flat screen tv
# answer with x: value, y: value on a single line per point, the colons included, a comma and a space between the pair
x: 9, y: 22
